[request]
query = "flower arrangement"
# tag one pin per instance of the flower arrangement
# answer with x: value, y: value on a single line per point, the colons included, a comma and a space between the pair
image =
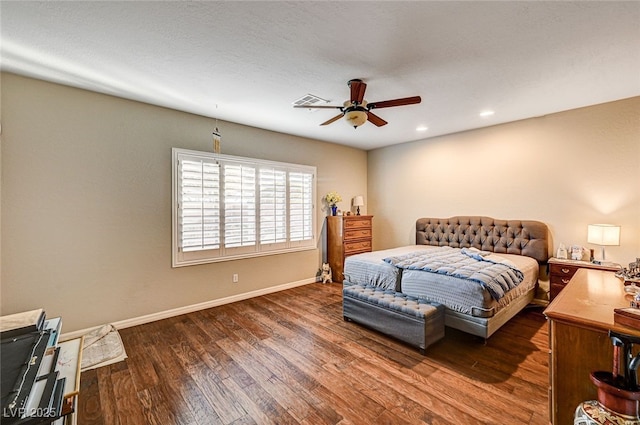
x: 332, y: 198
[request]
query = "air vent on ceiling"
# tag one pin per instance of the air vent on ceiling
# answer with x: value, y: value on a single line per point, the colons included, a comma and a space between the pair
x: 309, y: 99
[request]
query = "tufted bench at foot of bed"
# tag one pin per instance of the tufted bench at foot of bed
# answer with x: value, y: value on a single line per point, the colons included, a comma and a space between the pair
x: 413, y: 320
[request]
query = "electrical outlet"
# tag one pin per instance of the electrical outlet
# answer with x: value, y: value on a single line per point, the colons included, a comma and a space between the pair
x: 235, y: 278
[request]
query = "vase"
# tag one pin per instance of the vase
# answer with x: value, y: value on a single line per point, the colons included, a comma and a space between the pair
x: 593, y: 413
x: 614, y: 405
x: 334, y: 210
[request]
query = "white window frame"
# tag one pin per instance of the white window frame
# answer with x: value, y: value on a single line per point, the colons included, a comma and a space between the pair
x: 300, y: 199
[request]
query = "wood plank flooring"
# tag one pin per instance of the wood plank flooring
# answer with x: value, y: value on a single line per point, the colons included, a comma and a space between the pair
x: 289, y: 358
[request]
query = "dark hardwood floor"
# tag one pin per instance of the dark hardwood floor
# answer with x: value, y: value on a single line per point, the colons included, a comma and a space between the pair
x: 289, y: 358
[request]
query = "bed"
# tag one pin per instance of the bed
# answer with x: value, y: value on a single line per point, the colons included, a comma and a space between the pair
x: 469, y: 307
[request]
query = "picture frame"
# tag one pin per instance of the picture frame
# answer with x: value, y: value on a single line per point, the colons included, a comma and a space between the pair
x: 68, y: 365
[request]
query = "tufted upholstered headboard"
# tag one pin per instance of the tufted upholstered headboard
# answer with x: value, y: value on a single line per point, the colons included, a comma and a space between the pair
x: 520, y: 237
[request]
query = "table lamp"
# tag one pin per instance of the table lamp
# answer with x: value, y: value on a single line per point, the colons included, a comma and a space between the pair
x: 603, y: 235
x: 358, y: 201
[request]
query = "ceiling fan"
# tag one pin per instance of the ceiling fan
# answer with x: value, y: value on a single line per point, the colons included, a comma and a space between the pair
x: 357, y: 111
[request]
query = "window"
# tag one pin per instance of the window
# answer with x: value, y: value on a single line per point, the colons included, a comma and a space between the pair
x: 227, y: 207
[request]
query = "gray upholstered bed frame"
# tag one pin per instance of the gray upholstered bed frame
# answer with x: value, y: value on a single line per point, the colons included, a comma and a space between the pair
x: 520, y: 237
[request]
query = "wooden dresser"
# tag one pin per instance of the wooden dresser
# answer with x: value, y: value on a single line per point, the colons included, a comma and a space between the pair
x: 347, y: 235
x: 579, y: 321
x: 561, y: 271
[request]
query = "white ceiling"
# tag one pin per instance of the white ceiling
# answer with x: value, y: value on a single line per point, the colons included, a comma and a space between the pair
x: 247, y: 62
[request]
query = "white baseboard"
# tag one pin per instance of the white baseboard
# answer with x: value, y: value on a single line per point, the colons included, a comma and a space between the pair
x: 141, y: 320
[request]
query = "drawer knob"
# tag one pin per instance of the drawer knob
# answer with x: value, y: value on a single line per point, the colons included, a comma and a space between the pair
x: 565, y: 271
x: 565, y: 281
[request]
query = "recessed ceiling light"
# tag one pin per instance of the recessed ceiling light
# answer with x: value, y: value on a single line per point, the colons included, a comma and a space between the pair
x: 422, y: 128
x: 485, y: 114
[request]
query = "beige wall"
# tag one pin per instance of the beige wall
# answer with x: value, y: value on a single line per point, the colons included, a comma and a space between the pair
x: 568, y: 170
x: 86, y: 204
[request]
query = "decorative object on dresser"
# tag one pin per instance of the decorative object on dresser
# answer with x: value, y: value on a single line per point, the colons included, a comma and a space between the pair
x: 577, y: 252
x: 561, y: 271
x: 632, y: 274
x: 618, y: 391
x: 358, y: 201
x: 603, y: 235
x: 562, y: 252
x: 347, y: 235
x: 332, y: 199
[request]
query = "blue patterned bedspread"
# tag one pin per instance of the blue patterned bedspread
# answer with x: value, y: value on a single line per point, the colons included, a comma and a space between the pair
x: 494, y: 273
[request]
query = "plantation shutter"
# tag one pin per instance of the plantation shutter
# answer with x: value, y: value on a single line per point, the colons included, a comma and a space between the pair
x: 300, y: 206
x: 199, y: 205
x: 273, y: 206
x: 239, y: 205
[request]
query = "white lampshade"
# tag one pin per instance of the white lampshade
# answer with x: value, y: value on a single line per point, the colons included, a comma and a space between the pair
x: 603, y: 234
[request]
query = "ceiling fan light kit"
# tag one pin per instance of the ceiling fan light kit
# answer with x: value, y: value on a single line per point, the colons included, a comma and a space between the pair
x: 357, y: 111
x: 356, y: 116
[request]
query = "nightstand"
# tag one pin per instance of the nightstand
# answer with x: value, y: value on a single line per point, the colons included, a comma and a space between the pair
x: 561, y: 271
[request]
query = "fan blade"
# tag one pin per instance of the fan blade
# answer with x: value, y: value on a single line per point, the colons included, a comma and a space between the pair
x: 374, y: 119
x: 357, y: 91
x: 317, y: 106
x: 336, y: 118
x: 395, y: 102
